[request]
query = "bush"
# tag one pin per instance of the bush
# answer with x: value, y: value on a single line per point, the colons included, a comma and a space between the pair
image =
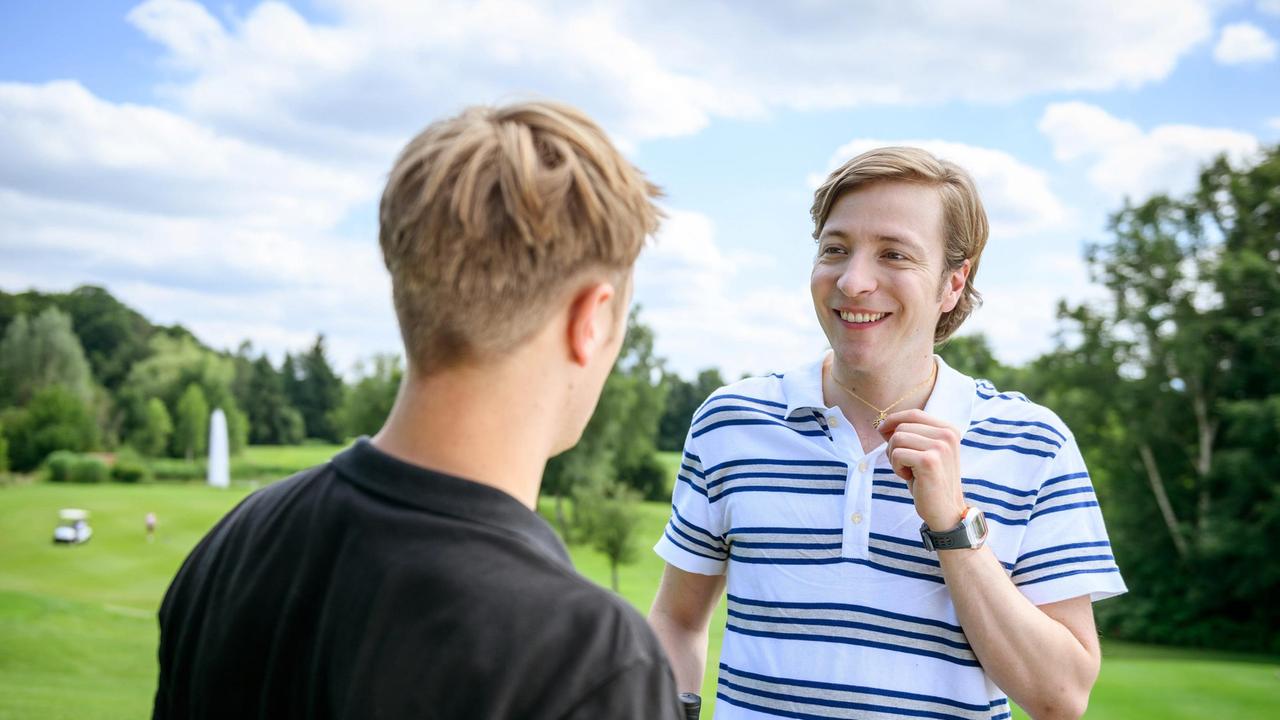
x: 4, y: 452
x: 175, y: 469
x: 90, y: 469
x: 649, y: 478
x: 54, y: 420
x: 58, y: 465
x: 129, y: 467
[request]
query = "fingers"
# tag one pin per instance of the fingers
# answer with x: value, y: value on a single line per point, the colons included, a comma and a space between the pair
x: 893, y: 422
x: 916, y: 461
x: 903, y: 460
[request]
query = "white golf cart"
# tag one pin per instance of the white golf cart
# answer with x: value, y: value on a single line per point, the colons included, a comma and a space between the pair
x: 73, y: 527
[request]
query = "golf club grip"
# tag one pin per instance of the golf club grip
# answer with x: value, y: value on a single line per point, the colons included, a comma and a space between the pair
x: 692, y: 705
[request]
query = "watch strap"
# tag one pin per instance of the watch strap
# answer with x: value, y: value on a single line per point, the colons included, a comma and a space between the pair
x: 971, y: 532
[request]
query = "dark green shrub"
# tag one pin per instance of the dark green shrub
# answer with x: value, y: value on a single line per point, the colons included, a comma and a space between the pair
x: 130, y: 467
x: 176, y: 469
x: 649, y: 478
x: 90, y: 469
x: 58, y: 465
x: 54, y: 420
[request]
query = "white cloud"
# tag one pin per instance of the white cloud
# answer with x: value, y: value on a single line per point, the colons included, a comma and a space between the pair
x: 1274, y: 123
x: 1016, y: 195
x: 359, y: 83
x: 61, y: 141
x: 711, y: 308
x: 1123, y: 160
x: 227, y: 210
x: 224, y: 281
x: 229, y: 238
x: 1242, y: 43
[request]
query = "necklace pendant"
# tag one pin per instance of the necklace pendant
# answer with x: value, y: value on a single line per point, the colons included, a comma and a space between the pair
x: 876, y: 424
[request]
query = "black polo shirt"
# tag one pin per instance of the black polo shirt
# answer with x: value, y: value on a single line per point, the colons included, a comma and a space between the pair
x: 371, y: 588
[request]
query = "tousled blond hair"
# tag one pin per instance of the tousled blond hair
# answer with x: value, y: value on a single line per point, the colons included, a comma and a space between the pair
x: 491, y: 216
x: 964, y: 220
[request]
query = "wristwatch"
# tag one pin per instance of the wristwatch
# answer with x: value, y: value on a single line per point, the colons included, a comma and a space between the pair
x: 970, y: 533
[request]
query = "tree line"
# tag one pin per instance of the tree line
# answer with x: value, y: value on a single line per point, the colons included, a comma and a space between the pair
x: 82, y: 371
x: 1170, y: 385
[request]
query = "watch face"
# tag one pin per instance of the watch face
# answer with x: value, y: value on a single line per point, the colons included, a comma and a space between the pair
x: 980, y: 525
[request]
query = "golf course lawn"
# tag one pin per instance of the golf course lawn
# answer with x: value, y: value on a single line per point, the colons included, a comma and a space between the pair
x: 78, y: 632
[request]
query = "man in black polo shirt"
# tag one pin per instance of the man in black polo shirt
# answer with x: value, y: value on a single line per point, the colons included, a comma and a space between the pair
x: 410, y: 576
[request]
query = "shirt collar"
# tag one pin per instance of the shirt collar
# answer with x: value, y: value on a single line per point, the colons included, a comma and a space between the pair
x: 375, y: 471
x: 951, y: 400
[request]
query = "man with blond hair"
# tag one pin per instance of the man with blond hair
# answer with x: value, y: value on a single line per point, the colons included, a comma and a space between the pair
x: 410, y: 576
x: 897, y: 539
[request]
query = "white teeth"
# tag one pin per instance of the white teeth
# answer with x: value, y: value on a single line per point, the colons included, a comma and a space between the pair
x: 860, y: 317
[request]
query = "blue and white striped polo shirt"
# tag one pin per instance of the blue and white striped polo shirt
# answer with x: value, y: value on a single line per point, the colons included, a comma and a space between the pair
x: 836, y: 610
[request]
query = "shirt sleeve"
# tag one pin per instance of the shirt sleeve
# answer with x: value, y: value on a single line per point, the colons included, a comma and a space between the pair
x: 1065, y: 551
x: 693, y: 539
x: 642, y: 691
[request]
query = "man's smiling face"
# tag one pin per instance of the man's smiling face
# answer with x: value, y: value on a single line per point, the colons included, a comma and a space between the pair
x: 878, y: 281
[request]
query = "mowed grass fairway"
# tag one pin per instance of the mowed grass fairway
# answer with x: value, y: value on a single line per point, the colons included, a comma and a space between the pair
x: 78, y: 632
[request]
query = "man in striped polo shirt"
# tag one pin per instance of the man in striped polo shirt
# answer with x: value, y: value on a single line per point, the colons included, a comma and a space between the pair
x: 897, y: 539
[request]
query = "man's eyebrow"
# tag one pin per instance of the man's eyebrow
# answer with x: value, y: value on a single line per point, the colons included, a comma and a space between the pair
x: 900, y: 241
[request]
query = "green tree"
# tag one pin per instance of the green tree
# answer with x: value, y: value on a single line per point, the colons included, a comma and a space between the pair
x: 315, y: 390
x: 972, y: 355
x: 368, y: 401
x: 112, y: 335
x: 272, y: 420
x: 55, y: 419
x: 620, y: 437
x: 173, y: 365
x: 191, y: 431
x: 39, y: 353
x: 1174, y: 380
x: 152, y: 438
x: 606, y: 515
x: 638, y: 373
x: 683, y: 399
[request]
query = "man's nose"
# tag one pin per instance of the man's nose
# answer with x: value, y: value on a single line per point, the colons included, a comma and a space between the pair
x: 858, y: 277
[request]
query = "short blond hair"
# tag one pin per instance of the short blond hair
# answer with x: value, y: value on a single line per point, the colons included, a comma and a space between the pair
x: 964, y: 220
x: 488, y: 217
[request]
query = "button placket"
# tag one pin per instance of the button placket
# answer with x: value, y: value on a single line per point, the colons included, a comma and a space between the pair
x: 855, y: 522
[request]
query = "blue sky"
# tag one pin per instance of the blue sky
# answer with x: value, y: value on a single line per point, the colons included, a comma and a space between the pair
x: 218, y: 164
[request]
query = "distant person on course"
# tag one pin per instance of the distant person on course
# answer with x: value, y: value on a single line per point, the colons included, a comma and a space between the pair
x: 897, y: 539
x: 410, y: 577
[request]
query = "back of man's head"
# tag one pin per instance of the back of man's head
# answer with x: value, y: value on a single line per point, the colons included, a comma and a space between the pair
x: 490, y: 218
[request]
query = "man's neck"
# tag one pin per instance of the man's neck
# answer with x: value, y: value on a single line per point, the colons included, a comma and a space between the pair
x: 478, y: 425
x: 900, y: 385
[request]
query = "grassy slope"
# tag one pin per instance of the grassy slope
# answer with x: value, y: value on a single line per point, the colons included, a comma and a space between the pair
x: 78, y: 637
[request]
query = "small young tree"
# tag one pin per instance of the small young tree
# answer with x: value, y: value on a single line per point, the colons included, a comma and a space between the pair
x: 606, y: 515
x: 191, y: 431
x: 153, y: 437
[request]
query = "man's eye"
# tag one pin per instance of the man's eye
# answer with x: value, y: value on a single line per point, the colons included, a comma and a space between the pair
x: 832, y: 249
x: 894, y: 255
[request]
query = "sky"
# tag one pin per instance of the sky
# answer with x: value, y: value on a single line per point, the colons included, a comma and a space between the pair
x: 218, y: 164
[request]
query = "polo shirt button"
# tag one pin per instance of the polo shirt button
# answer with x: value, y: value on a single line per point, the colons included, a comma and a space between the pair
x: 856, y: 518
x: 862, y: 466
x: 833, y: 422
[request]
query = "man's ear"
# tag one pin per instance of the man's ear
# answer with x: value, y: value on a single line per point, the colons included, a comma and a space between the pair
x: 590, y: 321
x: 953, y: 286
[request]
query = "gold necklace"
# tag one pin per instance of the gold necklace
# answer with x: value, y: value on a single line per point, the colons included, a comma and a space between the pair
x: 882, y: 413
